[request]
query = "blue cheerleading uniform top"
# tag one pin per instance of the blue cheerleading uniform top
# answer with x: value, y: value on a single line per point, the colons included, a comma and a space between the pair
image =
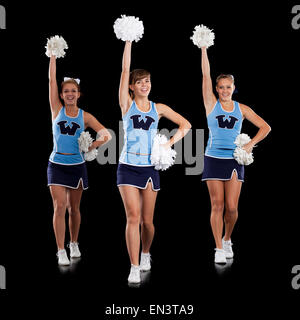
x: 224, y: 126
x: 139, y: 130
x: 66, y: 131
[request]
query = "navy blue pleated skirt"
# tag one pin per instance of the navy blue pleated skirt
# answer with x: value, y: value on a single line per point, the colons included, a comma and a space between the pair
x: 221, y: 169
x: 68, y: 176
x: 137, y: 176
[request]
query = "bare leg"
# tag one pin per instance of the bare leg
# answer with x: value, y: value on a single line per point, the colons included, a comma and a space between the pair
x: 59, y: 197
x: 74, y: 198
x: 147, y: 227
x: 131, y: 200
x: 216, y: 192
x: 232, y: 194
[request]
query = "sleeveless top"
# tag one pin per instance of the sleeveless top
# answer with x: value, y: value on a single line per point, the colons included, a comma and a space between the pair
x: 139, y: 130
x: 224, y: 126
x: 66, y: 131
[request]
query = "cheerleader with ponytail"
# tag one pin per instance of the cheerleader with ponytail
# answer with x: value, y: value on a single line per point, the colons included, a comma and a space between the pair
x: 67, y: 173
x: 227, y: 150
x: 137, y: 174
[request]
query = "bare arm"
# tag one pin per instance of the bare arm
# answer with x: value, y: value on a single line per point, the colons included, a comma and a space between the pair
x: 124, y: 97
x: 104, y: 135
x: 184, y: 125
x: 55, y: 103
x: 260, y: 123
x: 207, y: 89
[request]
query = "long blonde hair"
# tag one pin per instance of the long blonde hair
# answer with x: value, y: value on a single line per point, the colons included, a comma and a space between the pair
x: 225, y: 76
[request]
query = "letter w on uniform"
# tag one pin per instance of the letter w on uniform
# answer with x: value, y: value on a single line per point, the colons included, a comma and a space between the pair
x: 226, y: 123
x: 141, y: 124
x: 66, y: 129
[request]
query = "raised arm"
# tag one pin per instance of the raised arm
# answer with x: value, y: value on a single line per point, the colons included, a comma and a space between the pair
x: 124, y: 97
x: 207, y: 90
x: 55, y: 103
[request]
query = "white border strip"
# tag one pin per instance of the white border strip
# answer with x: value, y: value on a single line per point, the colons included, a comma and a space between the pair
x: 204, y: 179
x: 57, y: 184
x: 132, y: 185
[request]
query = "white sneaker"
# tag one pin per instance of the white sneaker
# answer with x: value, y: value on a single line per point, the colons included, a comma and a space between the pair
x: 145, y: 263
x: 135, y: 275
x: 227, y: 247
x: 63, y: 258
x: 74, y: 250
x: 220, y: 256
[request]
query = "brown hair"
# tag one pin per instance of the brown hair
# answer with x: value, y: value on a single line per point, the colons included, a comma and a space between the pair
x: 72, y: 81
x: 225, y: 76
x: 136, y: 75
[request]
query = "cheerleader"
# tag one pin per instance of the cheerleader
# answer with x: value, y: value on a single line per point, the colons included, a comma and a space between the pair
x: 67, y: 173
x: 222, y: 173
x: 137, y: 180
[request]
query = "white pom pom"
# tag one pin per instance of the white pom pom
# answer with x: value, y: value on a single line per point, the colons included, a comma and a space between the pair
x: 56, y: 46
x: 240, y: 155
x: 161, y: 157
x: 242, y: 139
x: 85, y: 141
x: 128, y: 28
x: 91, y: 155
x: 203, y: 37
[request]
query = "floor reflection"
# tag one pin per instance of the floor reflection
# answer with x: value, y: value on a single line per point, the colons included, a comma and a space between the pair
x: 145, y: 279
x: 222, y: 269
x: 71, y: 268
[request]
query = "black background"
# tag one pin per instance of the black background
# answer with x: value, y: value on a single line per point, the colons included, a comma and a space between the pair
x: 255, y: 43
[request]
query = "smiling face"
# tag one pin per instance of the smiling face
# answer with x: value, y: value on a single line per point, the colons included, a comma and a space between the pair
x: 139, y: 83
x: 70, y: 94
x: 225, y: 88
x: 141, y: 87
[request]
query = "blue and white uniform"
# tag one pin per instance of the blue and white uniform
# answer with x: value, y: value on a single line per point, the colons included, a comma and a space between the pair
x: 135, y: 166
x: 66, y: 131
x: 139, y: 130
x: 224, y: 126
x: 66, y: 163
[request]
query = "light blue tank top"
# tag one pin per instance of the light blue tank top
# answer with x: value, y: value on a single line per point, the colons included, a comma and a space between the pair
x: 223, y: 128
x: 139, y: 130
x: 66, y: 131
